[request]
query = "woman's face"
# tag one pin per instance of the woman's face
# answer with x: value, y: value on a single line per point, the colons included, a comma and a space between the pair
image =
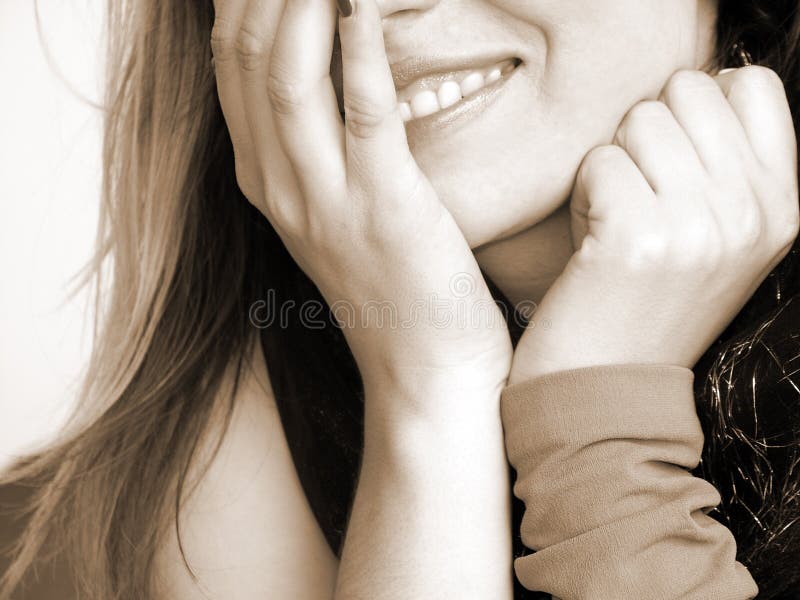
x: 506, y: 157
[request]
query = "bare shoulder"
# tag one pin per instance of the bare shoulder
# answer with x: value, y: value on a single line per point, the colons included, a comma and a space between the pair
x: 247, y: 529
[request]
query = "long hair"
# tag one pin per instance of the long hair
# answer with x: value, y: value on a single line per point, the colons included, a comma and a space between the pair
x: 747, y: 387
x: 182, y: 256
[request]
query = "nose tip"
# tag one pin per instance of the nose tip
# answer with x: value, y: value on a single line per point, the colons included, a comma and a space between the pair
x: 391, y: 7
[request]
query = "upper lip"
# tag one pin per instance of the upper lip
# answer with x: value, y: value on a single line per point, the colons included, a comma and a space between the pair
x: 409, y: 70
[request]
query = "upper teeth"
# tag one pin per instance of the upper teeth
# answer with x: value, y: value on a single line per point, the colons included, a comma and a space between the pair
x: 416, y: 103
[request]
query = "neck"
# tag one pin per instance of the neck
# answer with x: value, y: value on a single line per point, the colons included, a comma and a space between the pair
x: 525, y: 265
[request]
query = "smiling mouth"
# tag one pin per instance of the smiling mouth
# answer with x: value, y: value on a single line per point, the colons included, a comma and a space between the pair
x: 442, y: 92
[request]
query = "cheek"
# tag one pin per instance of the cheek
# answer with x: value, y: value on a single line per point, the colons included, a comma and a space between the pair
x: 612, y: 54
x: 602, y: 58
x: 605, y: 55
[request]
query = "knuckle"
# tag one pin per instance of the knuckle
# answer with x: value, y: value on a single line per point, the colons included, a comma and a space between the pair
x: 285, y: 93
x: 646, y: 111
x: 285, y: 211
x: 283, y: 215
x: 699, y: 249
x: 789, y: 228
x: 750, y: 228
x: 641, y: 117
x: 244, y: 177
x: 244, y: 182
x: 599, y: 159
x: 250, y: 48
x: 646, y: 248
x: 757, y: 76
x: 602, y: 156
x: 364, y: 116
x: 693, y: 249
x: 222, y: 40
x: 686, y: 81
x: 782, y: 218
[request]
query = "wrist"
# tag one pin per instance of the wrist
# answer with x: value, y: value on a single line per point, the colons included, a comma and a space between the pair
x: 525, y: 369
x: 441, y: 426
x: 431, y: 395
x: 428, y: 379
x: 585, y: 321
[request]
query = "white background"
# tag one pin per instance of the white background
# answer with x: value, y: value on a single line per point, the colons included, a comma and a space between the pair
x: 50, y: 179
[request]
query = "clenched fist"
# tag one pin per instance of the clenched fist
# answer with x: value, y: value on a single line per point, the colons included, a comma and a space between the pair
x: 677, y: 223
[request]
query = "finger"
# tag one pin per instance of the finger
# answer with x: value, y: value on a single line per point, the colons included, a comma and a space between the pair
x: 702, y: 110
x: 375, y: 134
x: 304, y: 105
x: 228, y: 16
x: 758, y: 98
x: 255, y: 39
x: 609, y: 189
x: 659, y: 146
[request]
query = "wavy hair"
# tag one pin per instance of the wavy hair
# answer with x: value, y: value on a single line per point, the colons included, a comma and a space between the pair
x: 181, y: 256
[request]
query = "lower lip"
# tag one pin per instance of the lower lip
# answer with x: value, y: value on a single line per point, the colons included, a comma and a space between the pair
x: 464, y: 110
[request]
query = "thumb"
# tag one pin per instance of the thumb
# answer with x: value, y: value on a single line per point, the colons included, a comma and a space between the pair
x: 579, y: 205
x: 609, y: 188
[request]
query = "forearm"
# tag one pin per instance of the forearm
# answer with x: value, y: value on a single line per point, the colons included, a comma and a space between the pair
x: 602, y: 456
x: 431, y: 516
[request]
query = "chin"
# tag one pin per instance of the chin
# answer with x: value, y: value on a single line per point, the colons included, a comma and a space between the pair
x: 496, y: 186
x: 492, y: 204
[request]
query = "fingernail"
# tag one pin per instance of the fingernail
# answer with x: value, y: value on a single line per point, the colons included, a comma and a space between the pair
x: 723, y: 71
x: 345, y: 7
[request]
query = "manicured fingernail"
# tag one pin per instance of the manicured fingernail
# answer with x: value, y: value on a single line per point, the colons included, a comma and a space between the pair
x: 345, y: 7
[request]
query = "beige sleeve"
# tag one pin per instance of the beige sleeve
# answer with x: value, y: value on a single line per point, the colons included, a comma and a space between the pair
x: 602, y: 457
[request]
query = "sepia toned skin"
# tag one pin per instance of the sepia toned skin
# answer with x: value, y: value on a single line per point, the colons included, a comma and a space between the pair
x: 637, y: 199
